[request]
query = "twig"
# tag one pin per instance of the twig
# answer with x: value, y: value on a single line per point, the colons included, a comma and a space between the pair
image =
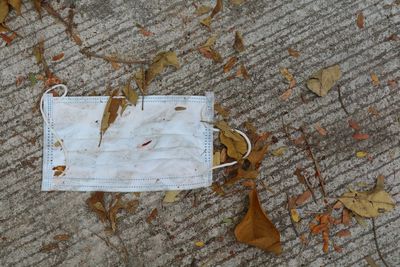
x: 341, y: 101
x: 376, y: 244
x: 68, y: 28
x: 90, y: 54
x: 316, y: 165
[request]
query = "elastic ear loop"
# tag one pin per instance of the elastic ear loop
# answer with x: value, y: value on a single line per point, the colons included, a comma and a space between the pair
x: 45, y: 119
x: 244, y: 156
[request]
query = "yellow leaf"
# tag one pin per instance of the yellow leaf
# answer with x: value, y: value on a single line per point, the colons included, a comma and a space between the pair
x: 323, y: 80
x: 110, y: 113
x: 361, y: 154
x: 256, y: 229
x: 130, y: 94
x: 371, y: 203
x: 239, y: 44
x: 199, y: 244
x: 3, y: 10
x: 295, y: 215
x: 171, y: 196
x: 285, y: 73
x: 279, y: 151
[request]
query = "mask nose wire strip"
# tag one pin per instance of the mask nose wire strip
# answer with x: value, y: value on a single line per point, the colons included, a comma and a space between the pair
x: 244, y: 156
x: 46, y: 121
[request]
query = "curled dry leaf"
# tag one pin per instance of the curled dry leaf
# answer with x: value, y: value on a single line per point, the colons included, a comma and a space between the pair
x: 360, y: 20
x: 371, y: 203
x: 171, y: 196
x: 239, y: 44
x: 208, y: 51
x: 293, y: 53
x: 256, y: 229
x: 323, y: 80
x: 229, y: 65
x: 242, y: 72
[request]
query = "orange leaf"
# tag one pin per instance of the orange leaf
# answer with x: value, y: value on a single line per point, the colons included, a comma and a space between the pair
x: 374, y: 79
x: 343, y: 233
x: 360, y: 136
x: 58, y: 170
x: 256, y: 229
x: 303, y: 197
x: 360, y: 20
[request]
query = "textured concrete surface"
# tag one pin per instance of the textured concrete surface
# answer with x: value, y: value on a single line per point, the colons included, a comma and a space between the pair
x: 324, y: 32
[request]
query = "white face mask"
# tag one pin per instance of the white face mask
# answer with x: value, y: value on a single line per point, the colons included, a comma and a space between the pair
x: 158, y: 148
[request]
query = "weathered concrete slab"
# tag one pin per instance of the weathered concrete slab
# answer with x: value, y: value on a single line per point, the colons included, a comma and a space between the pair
x: 324, y: 32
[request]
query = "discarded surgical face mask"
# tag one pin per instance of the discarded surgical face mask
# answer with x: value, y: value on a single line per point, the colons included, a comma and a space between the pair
x: 166, y: 146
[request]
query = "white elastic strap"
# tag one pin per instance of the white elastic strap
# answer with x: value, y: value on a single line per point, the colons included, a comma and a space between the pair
x: 244, y: 156
x: 45, y: 119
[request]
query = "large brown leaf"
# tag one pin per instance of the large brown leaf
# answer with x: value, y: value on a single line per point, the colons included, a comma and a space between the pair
x: 256, y: 229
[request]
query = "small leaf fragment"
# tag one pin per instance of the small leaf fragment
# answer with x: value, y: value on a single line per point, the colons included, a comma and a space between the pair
x: 242, y: 72
x: 238, y: 44
x: 206, y: 22
x: 360, y: 136
x: 49, y: 247
x: 354, y: 125
x: 361, y: 154
x: 236, y: 2
x: 374, y: 79
x: 58, y: 170
x: 294, y: 214
x: 300, y: 200
x: 199, y: 244
x: 360, y: 20
x: 171, y: 196
x: 62, y: 237
x: 218, y: 8
x: 293, y: 53
x: 393, y: 84
x: 180, y: 108
x: 217, y: 158
x: 221, y: 110
x: 153, y: 214
x: 343, y: 233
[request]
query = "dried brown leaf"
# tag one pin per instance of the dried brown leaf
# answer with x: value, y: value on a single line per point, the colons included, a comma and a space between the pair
x: 343, y: 233
x: 49, y: 247
x: 360, y: 136
x: 354, y: 125
x: 242, y: 72
x: 110, y: 113
x: 320, y: 130
x: 3, y: 10
x: 392, y: 37
x: 256, y: 229
x: 234, y: 142
x: 221, y: 110
x: 96, y: 204
x: 58, y: 170
x: 238, y: 44
x: 161, y: 61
